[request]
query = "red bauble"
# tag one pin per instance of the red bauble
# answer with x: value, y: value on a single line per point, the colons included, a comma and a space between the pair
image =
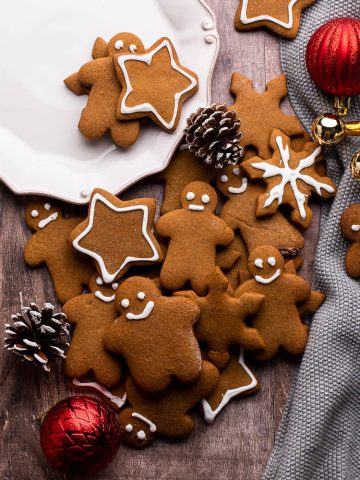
x: 80, y: 435
x: 333, y: 57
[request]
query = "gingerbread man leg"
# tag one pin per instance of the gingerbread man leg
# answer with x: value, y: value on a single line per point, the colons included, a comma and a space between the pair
x: 268, y: 352
x: 125, y: 134
x: 296, y: 343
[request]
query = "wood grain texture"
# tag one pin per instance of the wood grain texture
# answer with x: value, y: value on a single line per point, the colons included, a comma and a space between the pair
x: 238, y: 444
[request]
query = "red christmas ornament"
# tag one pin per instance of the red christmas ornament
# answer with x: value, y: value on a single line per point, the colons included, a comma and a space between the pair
x: 333, y: 57
x: 80, y: 435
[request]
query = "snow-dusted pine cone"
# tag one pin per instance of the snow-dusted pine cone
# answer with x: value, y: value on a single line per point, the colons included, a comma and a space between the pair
x: 213, y: 135
x: 37, y: 335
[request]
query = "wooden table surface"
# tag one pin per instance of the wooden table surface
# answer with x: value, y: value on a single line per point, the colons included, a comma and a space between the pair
x: 238, y: 444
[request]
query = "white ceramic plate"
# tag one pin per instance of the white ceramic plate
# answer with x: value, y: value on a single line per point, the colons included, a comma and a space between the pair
x: 41, y: 43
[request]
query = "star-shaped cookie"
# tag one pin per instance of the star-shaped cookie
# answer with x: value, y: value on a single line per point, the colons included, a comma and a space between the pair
x: 260, y: 113
x: 155, y: 84
x: 280, y: 16
x: 291, y: 178
x: 117, y: 234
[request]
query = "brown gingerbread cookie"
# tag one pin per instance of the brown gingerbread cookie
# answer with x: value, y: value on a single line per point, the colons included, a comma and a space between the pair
x: 350, y: 227
x: 222, y: 320
x: 155, y: 335
x: 154, y: 85
x: 165, y: 414
x: 240, y: 213
x: 236, y: 380
x: 70, y: 271
x: 290, y: 177
x: 193, y: 232
x: 278, y: 319
x: 98, y: 77
x: 91, y: 314
x: 281, y: 16
x: 117, y: 234
x: 260, y: 113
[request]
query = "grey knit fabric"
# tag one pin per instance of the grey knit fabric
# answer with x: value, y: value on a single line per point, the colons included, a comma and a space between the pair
x: 319, y: 437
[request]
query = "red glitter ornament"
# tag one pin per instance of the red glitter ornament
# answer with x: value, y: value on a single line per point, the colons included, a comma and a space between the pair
x: 80, y: 435
x: 333, y: 57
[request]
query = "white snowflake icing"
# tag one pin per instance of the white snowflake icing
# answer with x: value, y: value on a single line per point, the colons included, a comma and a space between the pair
x: 291, y: 176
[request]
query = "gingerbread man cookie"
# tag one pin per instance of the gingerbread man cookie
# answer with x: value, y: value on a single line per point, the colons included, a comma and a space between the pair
x: 260, y: 113
x: 91, y: 314
x: 69, y: 270
x: 282, y: 17
x: 99, y: 78
x: 278, y: 320
x: 291, y: 178
x: 117, y: 234
x: 350, y: 227
x: 194, y: 232
x: 155, y: 335
x: 165, y: 414
x: 155, y: 85
x: 240, y: 213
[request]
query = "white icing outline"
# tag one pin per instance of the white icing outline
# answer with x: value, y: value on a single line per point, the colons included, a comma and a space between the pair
x: 209, y: 414
x: 147, y: 107
x: 103, y: 297
x: 291, y: 176
x: 47, y: 220
x: 242, y: 189
x: 266, y: 281
x: 245, y: 20
x: 355, y: 228
x: 119, y: 402
x: 196, y: 208
x: 107, y: 276
x: 152, y: 426
x: 259, y: 263
x: 144, y: 314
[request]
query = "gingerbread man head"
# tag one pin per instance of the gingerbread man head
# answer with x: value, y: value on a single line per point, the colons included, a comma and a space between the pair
x: 350, y: 223
x: 40, y: 214
x: 137, y: 430
x: 199, y: 197
x: 136, y: 298
x: 266, y: 264
x: 101, y: 290
x: 125, y: 44
x: 232, y: 181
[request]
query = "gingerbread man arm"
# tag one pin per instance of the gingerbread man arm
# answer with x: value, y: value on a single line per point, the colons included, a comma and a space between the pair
x: 73, y: 309
x: 250, y: 303
x: 89, y: 72
x: 74, y: 85
x: 189, y: 308
x: 164, y: 226
x: 99, y: 49
x: 33, y: 253
x: 224, y: 234
x: 111, y: 338
x: 298, y: 288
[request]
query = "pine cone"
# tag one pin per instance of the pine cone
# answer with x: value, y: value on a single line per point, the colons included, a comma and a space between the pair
x: 213, y: 134
x: 37, y: 335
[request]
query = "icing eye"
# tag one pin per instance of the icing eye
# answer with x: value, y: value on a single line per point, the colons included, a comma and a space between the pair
x: 133, y: 48
x: 141, y: 295
x: 34, y: 213
x: 99, y: 281
x: 141, y: 435
x: 114, y: 286
x: 47, y: 206
x: 224, y: 178
x: 119, y: 44
x: 236, y: 171
x: 355, y: 228
x: 190, y: 196
x: 259, y: 263
x: 271, y: 261
x: 205, y: 198
x: 125, y: 303
x: 129, y: 428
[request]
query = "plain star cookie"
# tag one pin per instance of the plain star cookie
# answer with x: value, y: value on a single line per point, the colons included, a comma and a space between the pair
x: 291, y: 178
x: 117, y: 234
x: 350, y: 227
x: 280, y: 16
x: 260, y: 112
x: 154, y: 84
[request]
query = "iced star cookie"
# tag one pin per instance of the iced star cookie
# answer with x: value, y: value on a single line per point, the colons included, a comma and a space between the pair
x: 164, y: 415
x: 194, y: 232
x: 155, y: 335
x: 278, y: 319
x: 350, y: 227
x: 98, y: 79
x: 154, y: 85
x: 291, y: 178
x: 70, y: 271
x: 260, y: 113
x: 280, y: 16
x: 117, y: 234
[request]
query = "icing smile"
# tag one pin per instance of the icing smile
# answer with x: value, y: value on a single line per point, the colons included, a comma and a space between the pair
x: 144, y: 314
x: 240, y: 189
x: 196, y: 208
x: 103, y: 297
x: 266, y: 281
x: 49, y: 219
